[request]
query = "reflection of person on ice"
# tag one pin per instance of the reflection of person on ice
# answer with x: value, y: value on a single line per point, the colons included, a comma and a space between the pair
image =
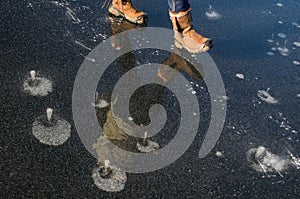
x: 180, y: 15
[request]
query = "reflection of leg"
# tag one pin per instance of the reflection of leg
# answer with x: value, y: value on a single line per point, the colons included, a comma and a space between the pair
x: 124, y: 8
x: 185, y: 35
x: 142, y: 100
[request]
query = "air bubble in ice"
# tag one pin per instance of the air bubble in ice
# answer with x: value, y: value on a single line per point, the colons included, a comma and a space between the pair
x: 265, y: 96
x: 147, y: 145
x: 282, y: 35
x: 264, y: 161
x: 37, y: 86
x: 296, y: 62
x: 283, y: 51
x: 296, y: 43
x: 240, y: 76
x: 50, y: 129
x: 212, y: 14
x: 273, y: 48
x: 109, y: 178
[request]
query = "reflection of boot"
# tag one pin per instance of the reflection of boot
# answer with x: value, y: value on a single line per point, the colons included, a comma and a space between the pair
x: 124, y: 8
x: 186, y: 36
x: 119, y: 25
x: 178, y: 63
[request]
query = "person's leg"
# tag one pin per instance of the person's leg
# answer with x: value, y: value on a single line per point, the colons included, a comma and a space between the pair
x: 178, y: 5
x: 185, y: 35
x: 125, y: 9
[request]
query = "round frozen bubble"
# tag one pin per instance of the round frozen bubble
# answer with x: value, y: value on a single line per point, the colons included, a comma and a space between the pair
x: 212, y: 14
x: 110, y: 179
x: 219, y: 154
x: 55, y: 131
x: 147, y: 146
x: 37, y: 86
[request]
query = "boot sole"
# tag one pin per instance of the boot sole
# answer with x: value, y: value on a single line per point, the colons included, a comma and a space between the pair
x: 114, y: 11
x: 201, y: 49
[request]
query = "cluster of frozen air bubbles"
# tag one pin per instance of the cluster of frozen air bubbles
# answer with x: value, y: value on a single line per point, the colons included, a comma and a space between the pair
x: 37, y: 86
x: 212, y: 14
x: 283, y: 123
x: 264, y: 161
x: 50, y: 129
x: 99, y: 103
x: 109, y: 178
x: 147, y: 145
x: 281, y: 46
x: 266, y: 96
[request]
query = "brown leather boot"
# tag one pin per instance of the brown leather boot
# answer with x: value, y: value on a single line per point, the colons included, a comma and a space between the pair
x: 185, y: 35
x: 124, y: 8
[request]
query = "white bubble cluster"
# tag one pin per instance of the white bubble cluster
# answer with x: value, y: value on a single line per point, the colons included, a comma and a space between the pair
x: 113, y: 182
x: 55, y: 132
x: 212, y: 14
x: 37, y: 86
x: 266, y: 162
x: 265, y: 96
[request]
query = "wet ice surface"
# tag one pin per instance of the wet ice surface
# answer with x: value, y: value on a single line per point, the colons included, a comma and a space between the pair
x: 283, y: 123
x: 271, y: 27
